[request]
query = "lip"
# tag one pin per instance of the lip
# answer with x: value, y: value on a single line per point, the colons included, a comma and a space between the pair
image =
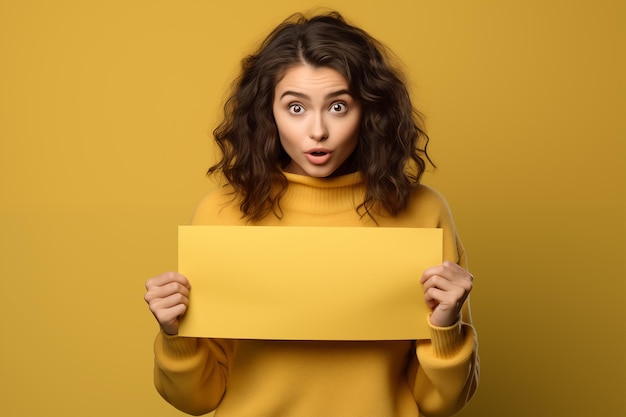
x: 318, y: 156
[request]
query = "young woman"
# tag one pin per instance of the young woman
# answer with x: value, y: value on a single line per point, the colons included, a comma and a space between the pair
x: 320, y: 131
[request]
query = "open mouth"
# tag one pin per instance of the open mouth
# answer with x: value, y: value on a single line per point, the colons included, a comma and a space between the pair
x: 318, y: 157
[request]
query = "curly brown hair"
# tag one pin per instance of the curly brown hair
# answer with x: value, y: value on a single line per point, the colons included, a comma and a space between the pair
x: 391, y: 151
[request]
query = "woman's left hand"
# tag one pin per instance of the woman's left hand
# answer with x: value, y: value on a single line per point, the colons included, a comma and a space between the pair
x: 446, y: 288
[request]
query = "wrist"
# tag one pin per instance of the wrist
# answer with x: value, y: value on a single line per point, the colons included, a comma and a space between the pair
x: 443, y: 320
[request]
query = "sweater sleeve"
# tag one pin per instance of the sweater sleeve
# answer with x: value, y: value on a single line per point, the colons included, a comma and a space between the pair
x: 191, y: 373
x: 445, y: 370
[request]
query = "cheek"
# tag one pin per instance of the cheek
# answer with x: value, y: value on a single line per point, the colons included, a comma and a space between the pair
x: 286, y: 136
x: 288, y: 130
x: 351, y: 130
x: 280, y: 125
x: 284, y: 132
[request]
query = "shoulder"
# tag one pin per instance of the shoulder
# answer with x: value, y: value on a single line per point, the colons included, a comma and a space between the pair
x: 426, y: 208
x: 428, y: 196
x: 219, y: 206
x: 428, y: 200
x: 429, y: 208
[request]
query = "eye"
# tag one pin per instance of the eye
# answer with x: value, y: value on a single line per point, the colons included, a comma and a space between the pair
x: 338, y: 107
x: 296, y: 108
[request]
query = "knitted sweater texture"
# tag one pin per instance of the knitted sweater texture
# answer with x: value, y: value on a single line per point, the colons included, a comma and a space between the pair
x: 266, y: 378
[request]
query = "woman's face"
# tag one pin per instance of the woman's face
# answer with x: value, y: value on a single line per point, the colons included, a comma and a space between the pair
x: 317, y: 118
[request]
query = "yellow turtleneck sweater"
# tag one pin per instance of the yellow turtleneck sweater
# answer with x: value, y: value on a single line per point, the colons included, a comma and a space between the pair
x: 265, y: 378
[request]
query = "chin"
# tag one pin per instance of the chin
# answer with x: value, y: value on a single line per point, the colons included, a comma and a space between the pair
x: 321, y: 173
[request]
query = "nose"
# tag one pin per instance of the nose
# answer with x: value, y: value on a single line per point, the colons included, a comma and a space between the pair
x: 318, y: 130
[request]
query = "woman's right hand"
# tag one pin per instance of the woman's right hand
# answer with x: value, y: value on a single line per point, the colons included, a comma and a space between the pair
x: 168, y: 297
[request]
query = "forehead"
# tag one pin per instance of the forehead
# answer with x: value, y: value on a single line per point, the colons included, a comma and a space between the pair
x: 306, y: 77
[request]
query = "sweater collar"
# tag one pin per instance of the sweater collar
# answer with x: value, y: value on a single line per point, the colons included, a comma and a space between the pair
x: 329, y: 182
x: 323, y: 195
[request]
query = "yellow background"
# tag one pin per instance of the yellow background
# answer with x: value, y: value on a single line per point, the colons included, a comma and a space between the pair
x: 105, y: 113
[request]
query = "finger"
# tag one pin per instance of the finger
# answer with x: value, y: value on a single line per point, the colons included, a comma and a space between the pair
x: 168, y: 302
x: 167, y: 315
x: 433, y: 297
x: 168, y: 289
x: 165, y: 306
x: 437, y: 281
x: 441, y: 296
x: 461, y: 287
x: 168, y: 319
x: 430, y: 272
x: 447, y: 270
x: 456, y: 271
x: 167, y: 278
x: 442, y: 291
x: 165, y: 290
x: 451, y: 272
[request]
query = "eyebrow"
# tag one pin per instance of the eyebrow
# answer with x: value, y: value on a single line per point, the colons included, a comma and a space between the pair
x: 304, y: 96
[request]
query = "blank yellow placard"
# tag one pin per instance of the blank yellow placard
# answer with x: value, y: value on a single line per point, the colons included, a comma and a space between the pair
x: 306, y: 283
